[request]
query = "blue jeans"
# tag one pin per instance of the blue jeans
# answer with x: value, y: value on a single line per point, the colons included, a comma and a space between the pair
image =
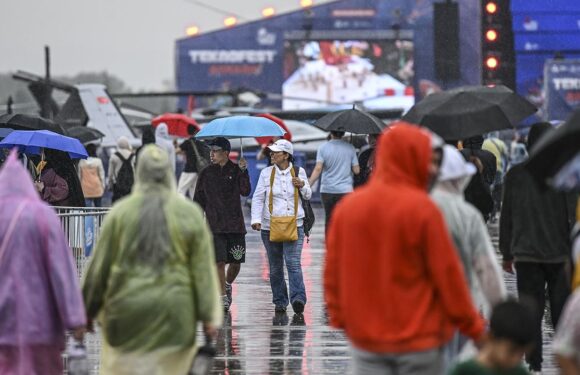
x: 291, y: 253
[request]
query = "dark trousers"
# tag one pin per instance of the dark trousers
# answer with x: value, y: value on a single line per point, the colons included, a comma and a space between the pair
x: 329, y: 201
x: 532, y: 279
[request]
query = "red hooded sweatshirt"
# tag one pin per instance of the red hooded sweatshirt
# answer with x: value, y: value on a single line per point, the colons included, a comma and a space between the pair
x: 392, y: 279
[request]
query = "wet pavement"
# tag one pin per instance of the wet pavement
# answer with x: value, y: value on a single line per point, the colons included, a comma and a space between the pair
x: 255, y: 340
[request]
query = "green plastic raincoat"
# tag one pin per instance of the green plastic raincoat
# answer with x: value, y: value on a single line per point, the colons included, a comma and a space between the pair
x: 152, y: 277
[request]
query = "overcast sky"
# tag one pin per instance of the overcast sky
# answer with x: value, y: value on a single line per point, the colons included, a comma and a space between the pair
x: 132, y: 39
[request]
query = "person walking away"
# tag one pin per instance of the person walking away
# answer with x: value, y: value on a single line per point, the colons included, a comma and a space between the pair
x: 535, y: 225
x: 151, y: 279
x: 196, y: 156
x: 402, y: 294
x: 122, y: 169
x: 164, y: 140
x: 470, y: 236
x: 499, y: 149
x: 218, y: 192
x: 40, y: 297
x: 566, y: 344
x: 478, y: 192
x: 366, y: 160
x: 92, y: 176
x: 336, y: 163
x: 147, y: 138
x: 567, y: 340
x: 278, y: 194
x: 510, y: 337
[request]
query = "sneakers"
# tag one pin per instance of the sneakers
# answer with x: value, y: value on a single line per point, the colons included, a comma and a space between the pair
x: 229, y: 292
x: 298, y: 307
x: 280, y: 309
x: 226, y: 303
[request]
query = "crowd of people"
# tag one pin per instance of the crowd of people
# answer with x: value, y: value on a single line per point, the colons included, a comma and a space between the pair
x: 410, y: 272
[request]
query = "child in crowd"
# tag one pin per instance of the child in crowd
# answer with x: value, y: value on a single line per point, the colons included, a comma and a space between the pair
x: 510, y: 337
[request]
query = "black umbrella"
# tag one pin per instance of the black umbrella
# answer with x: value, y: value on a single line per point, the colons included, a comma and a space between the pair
x: 468, y: 111
x: 85, y: 134
x: 554, y: 150
x: 351, y: 120
x: 18, y: 121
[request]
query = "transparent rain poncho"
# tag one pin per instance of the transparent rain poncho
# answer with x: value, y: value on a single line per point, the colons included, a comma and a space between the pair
x: 469, y: 233
x: 39, y: 290
x: 153, y: 276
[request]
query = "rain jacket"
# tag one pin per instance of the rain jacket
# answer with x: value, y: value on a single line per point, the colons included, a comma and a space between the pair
x: 472, y: 241
x: 535, y: 222
x: 392, y: 278
x: 164, y: 140
x: 152, y: 277
x: 39, y: 292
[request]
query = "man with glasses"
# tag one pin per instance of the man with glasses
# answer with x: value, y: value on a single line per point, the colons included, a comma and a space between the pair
x: 218, y: 192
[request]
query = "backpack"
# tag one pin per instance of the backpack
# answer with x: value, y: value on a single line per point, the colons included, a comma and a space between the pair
x: 308, y: 211
x: 125, y: 178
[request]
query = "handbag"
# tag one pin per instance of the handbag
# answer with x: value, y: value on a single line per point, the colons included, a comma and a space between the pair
x: 283, y: 228
x: 309, y: 218
x: 200, y: 161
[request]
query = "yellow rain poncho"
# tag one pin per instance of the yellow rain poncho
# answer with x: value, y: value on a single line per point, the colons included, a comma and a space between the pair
x: 152, y: 277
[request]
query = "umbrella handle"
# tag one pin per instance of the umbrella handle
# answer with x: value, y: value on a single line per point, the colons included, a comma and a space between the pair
x: 242, y: 147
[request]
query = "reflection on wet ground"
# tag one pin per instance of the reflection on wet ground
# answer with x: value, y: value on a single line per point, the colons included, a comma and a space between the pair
x: 255, y: 340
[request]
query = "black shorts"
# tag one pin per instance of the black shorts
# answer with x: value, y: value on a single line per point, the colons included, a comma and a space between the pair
x: 230, y: 248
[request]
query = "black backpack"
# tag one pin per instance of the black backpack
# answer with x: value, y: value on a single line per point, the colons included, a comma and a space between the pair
x: 308, y: 211
x: 125, y: 178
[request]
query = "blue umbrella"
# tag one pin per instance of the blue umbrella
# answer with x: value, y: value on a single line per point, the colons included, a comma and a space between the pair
x: 32, y: 142
x: 240, y: 127
x: 4, y: 132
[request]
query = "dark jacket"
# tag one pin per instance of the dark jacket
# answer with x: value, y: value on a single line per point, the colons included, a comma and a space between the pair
x: 535, y: 222
x: 218, y: 193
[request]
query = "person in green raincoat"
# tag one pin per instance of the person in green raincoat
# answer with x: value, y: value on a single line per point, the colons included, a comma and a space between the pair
x: 152, y: 277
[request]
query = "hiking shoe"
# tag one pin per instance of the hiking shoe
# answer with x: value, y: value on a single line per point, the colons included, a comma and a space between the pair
x: 298, y: 307
x: 280, y: 309
x: 226, y: 303
x: 229, y: 292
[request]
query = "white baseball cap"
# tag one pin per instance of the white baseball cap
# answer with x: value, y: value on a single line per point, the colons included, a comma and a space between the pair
x: 282, y: 145
x: 454, y: 165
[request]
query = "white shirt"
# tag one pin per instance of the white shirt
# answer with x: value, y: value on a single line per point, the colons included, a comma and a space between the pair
x: 283, y: 199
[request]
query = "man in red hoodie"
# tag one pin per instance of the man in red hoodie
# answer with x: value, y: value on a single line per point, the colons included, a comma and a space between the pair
x: 393, y: 281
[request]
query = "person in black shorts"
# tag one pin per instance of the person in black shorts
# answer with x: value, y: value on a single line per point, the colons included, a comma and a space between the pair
x: 218, y: 192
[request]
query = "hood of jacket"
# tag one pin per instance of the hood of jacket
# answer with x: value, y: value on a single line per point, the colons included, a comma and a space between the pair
x: 162, y: 131
x: 403, y: 156
x: 15, y: 179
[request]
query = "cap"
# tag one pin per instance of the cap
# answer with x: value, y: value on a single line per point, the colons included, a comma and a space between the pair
x: 454, y: 165
x: 282, y: 145
x: 219, y: 144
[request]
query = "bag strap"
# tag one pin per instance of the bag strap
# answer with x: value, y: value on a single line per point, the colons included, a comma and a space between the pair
x: 10, y: 230
x: 271, y: 198
x: 195, y: 151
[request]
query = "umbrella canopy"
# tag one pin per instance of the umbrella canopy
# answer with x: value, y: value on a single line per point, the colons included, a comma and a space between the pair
x: 280, y: 122
x: 4, y: 132
x: 32, y: 142
x: 177, y: 124
x: 241, y: 127
x: 18, y: 121
x: 85, y: 134
x: 351, y: 120
x: 556, y: 149
x: 469, y: 111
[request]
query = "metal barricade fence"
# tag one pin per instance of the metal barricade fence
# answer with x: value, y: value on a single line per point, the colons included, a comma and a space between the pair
x: 82, y: 227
